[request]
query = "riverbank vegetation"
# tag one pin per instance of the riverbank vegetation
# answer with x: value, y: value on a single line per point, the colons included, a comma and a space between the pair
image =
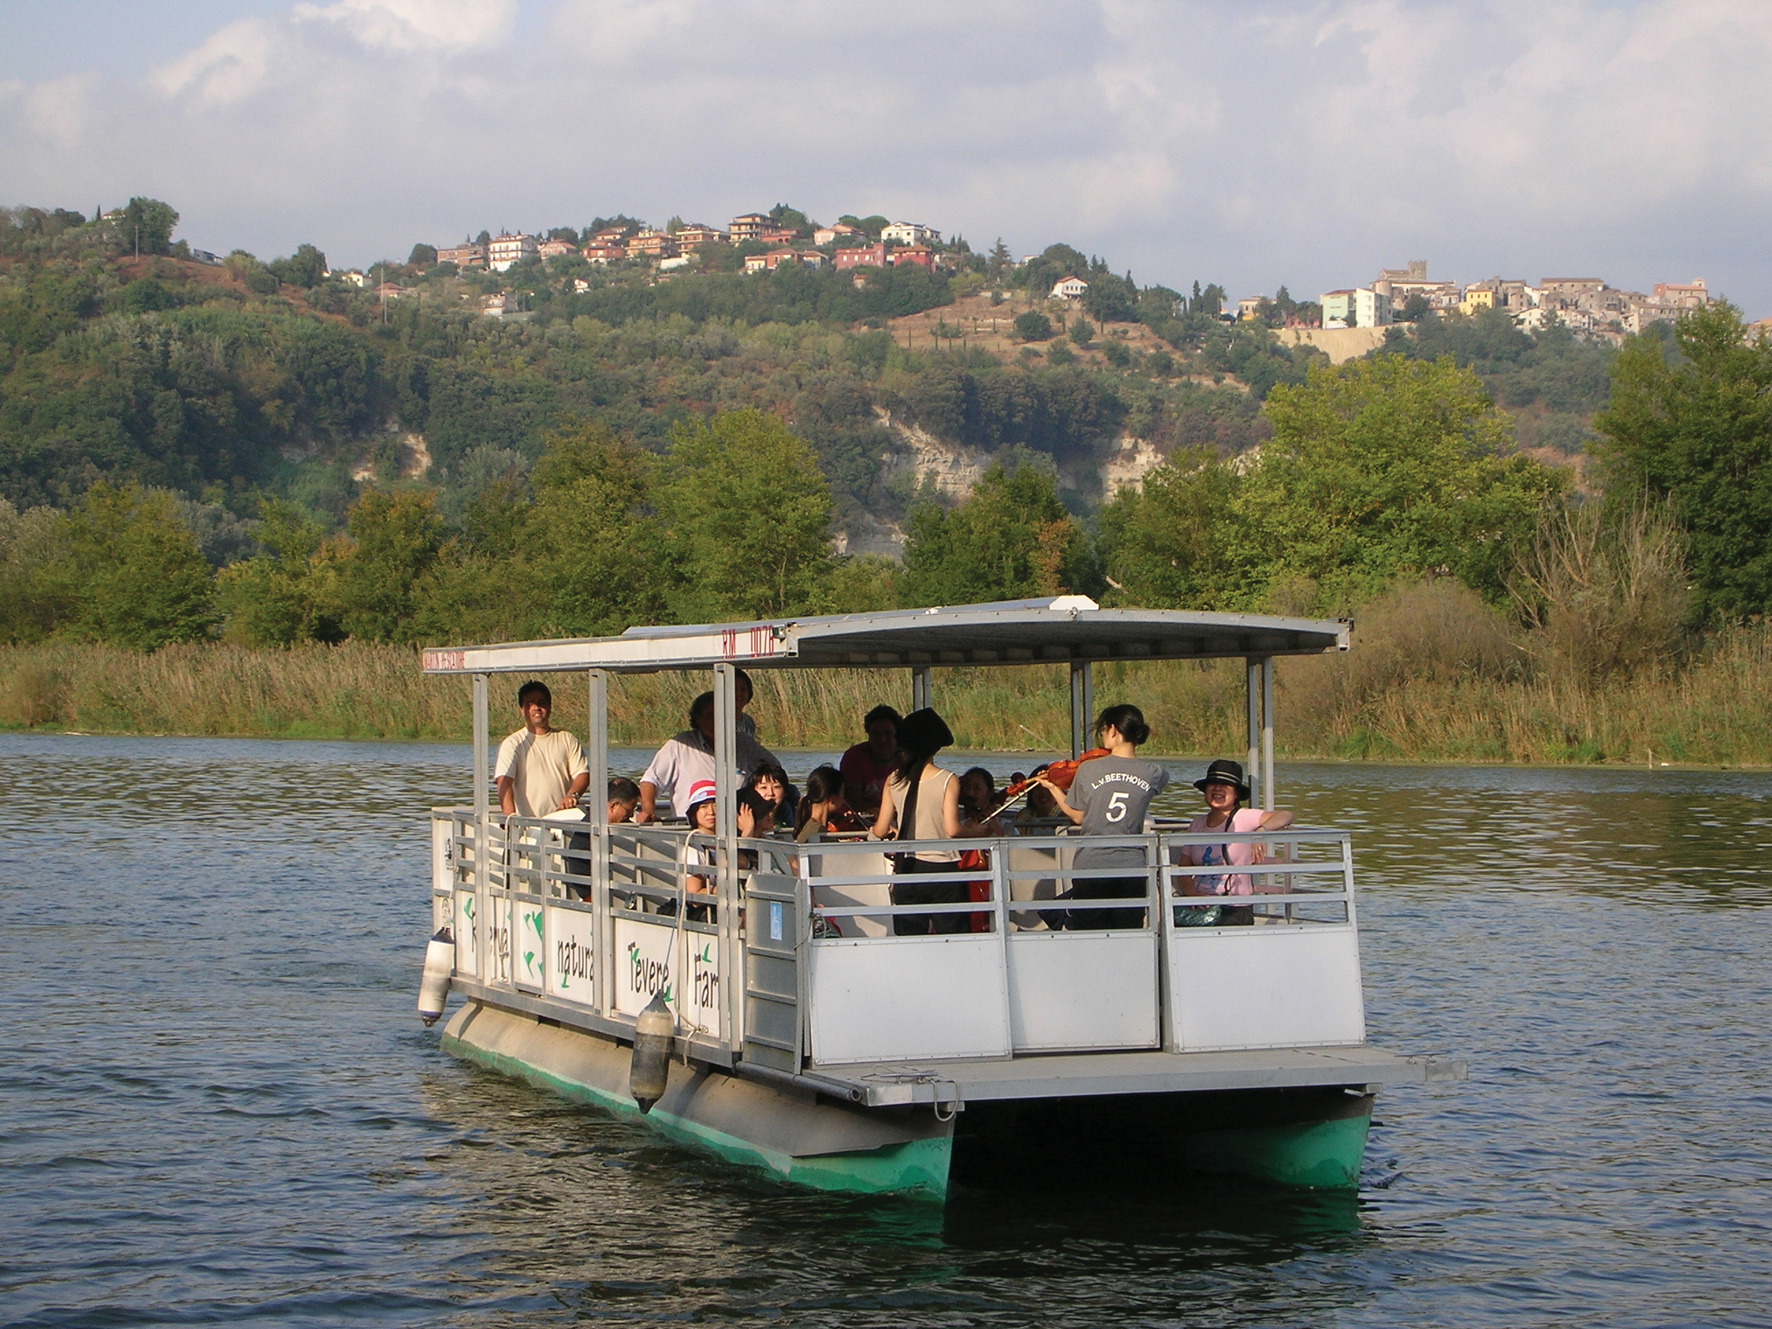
x: 1437, y: 675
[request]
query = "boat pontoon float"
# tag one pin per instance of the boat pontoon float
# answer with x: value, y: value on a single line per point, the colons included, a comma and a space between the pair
x: 812, y: 1041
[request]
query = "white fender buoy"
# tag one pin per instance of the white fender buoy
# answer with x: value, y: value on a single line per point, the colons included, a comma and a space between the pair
x: 433, y: 988
x: 650, y: 1068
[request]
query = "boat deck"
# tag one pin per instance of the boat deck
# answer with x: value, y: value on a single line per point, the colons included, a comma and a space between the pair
x: 1092, y: 1074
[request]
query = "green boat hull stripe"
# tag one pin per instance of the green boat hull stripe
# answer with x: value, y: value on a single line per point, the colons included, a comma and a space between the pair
x: 838, y: 1149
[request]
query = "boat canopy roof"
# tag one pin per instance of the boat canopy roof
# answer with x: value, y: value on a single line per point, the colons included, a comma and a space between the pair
x: 1046, y: 631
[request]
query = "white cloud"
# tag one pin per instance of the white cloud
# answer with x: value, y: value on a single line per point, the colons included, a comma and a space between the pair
x: 406, y: 25
x: 1251, y: 143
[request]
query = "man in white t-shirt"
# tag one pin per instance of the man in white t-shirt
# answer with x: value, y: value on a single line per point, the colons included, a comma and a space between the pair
x: 689, y: 757
x: 540, y: 769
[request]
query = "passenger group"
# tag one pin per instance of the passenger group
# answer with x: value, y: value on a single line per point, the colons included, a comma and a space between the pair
x: 891, y: 786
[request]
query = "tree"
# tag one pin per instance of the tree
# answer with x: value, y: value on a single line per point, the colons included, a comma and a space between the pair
x: 1696, y: 429
x: 1109, y: 298
x: 746, y: 515
x: 422, y: 256
x: 1414, y: 309
x: 305, y: 268
x: 33, y: 546
x: 146, y: 226
x: 790, y: 218
x: 269, y: 598
x: 999, y: 261
x: 1081, y: 331
x: 394, y: 540
x: 1033, y: 326
x: 1385, y: 467
x: 1010, y: 540
x: 593, y: 557
x: 1170, y: 544
x: 134, y: 572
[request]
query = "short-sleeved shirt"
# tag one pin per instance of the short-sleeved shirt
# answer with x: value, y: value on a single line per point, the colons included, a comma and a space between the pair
x: 541, y: 768
x: 862, y: 769
x: 1228, y: 854
x: 1114, y: 794
x: 689, y: 758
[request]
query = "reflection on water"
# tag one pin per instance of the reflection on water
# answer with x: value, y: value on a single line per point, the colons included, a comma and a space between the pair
x: 218, y: 1105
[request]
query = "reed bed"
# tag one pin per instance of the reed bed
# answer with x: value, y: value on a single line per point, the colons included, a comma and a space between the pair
x: 1392, y: 698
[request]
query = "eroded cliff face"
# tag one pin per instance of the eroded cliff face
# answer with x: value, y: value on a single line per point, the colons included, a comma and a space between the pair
x: 952, y: 470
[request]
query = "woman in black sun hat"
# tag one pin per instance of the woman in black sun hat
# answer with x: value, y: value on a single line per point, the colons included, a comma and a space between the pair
x: 1226, y: 791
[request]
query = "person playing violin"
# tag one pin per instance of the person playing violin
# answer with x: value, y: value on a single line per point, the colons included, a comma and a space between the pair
x: 1110, y: 796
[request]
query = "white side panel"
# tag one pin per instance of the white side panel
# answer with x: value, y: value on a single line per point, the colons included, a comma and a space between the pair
x: 1266, y: 987
x: 498, y: 940
x: 1029, y: 888
x: 909, y: 998
x: 529, y: 956
x: 467, y: 935
x: 836, y: 897
x: 700, y: 1009
x: 1082, y: 990
x: 647, y: 960
x: 645, y: 964
x: 441, y: 829
x: 571, y: 975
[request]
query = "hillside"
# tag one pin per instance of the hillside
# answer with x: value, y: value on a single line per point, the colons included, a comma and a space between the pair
x: 233, y: 381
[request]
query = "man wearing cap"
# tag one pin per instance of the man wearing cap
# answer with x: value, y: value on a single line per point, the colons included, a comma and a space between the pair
x: 539, y: 769
x: 689, y: 757
x: 1225, y: 790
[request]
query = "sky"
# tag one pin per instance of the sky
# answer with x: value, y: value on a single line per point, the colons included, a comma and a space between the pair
x: 1247, y: 142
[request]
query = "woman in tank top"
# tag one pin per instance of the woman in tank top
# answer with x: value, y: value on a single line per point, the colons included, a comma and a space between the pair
x: 921, y: 801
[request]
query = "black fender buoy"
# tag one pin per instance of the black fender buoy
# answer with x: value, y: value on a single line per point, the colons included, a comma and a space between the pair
x: 650, y: 1068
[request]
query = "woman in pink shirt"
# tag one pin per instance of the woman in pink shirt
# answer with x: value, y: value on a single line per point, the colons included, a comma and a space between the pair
x: 1226, y: 790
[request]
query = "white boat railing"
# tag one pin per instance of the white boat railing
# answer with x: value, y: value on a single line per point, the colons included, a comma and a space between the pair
x: 802, y: 958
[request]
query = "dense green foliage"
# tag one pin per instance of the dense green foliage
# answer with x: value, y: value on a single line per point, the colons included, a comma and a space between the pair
x: 1550, y: 381
x: 1694, y: 426
x: 1377, y: 470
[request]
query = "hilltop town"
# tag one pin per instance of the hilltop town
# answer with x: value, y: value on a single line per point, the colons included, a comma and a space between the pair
x: 758, y: 242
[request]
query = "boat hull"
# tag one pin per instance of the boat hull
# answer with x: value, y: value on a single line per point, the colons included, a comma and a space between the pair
x: 794, y: 1134
x: 1312, y: 1137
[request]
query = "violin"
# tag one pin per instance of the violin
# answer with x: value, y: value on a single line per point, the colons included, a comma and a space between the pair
x: 1061, y: 773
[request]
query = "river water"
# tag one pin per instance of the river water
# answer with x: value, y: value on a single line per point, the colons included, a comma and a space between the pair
x: 217, y: 1105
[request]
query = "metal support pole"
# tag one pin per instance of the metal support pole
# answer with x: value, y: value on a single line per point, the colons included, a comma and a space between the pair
x: 1252, y: 693
x: 1082, y: 705
x: 726, y: 836
x: 482, y: 830
x: 597, y: 746
x: 1267, y: 732
x: 920, y: 689
x: 597, y: 759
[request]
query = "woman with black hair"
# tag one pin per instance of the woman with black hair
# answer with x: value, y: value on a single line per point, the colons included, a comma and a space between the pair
x: 772, y: 783
x: 1226, y: 791
x: 1110, y: 796
x: 921, y: 801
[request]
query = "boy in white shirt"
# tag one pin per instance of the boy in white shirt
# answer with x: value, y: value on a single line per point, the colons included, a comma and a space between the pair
x: 540, y: 769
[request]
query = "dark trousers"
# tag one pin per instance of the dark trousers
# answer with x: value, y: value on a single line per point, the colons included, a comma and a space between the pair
x: 933, y: 892
x: 1107, y: 888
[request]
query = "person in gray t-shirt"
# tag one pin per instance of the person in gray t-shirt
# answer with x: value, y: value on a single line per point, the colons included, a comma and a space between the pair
x: 1111, y: 796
